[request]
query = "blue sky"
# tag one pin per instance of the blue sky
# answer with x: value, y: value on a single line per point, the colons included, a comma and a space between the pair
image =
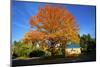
x: 22, y: 11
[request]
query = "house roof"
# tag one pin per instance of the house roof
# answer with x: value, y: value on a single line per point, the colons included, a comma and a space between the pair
x: 73, y: 46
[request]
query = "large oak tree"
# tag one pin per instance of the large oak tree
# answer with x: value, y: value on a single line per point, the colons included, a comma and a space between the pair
x: 57, y: 24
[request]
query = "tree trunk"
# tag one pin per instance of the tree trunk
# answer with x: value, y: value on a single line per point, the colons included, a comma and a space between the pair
x: 52, y: 51
x: 63, y: 50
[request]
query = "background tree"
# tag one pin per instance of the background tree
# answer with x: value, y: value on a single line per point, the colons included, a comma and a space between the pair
x: 20, y: 50
x: 57, y: 23
x: 88, y: 43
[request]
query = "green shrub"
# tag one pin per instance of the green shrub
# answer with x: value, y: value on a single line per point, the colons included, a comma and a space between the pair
x: 37, y: 53
x: 21, y: 50
x: 47, y: 53
x: 14, y: 56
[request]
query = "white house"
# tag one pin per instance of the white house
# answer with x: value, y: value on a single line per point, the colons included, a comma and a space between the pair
x: 73, y: 50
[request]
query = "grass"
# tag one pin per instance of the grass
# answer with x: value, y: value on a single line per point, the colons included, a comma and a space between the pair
x: 22, y: 57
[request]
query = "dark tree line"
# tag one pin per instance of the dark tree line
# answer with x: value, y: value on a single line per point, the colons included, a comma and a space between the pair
x: 88, y: 43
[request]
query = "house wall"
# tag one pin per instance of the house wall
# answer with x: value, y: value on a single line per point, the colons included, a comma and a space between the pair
x: 70, y: 51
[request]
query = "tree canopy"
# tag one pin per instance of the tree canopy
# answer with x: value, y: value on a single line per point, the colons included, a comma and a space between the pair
x: 57, y: 23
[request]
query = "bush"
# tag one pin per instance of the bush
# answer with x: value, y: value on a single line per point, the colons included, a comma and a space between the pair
x: 47, y: 53
x: 14, y: 56
x: 21, y: 50
x: 37, y: 53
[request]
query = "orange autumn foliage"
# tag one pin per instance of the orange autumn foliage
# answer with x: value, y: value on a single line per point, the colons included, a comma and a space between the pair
x: 56, y: 22
x: 33, y: 36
